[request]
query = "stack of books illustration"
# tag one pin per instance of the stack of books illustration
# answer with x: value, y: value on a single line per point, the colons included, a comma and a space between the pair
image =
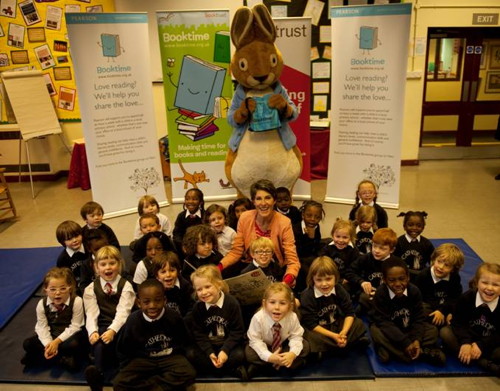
x: 200, y: 83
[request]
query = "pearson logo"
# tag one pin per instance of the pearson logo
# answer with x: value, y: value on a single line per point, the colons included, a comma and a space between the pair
x: 190, y: 36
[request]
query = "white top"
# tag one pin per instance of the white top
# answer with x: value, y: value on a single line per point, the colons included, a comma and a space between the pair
x: 166, y: 227
x: 123, y: 308
x: 260, y: 333
x: 141, y: 273
x: 42, y: 327
x: 225, y: 239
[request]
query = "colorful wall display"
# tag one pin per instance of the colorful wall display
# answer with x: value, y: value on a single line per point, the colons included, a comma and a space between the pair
x: 33, y: 36
x: 195, y: 53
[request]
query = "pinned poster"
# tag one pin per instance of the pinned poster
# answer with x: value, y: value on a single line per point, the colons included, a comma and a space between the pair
x: 293, y: 39
x: 369, y: 55
x: 195, y: 53
x: 111, y: 60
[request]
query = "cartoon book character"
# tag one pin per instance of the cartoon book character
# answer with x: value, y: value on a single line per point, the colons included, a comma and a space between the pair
x: 200, y: 82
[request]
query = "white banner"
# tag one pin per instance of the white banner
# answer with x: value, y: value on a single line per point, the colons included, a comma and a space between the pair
x: 111, y: 60
x: 369, y: 55
x: 294, y: 42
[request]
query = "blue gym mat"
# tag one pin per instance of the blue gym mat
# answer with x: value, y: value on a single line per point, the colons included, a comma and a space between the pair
x: 21, y: 273
x: 453, y: 366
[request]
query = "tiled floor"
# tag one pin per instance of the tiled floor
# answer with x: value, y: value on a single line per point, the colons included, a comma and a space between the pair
x: 461, y: 198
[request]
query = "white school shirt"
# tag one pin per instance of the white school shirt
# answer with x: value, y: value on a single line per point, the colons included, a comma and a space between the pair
x: 141, y: 273
x: 123, y: 308
x: 260, y: 333
x: 225, y: 239
x: 165, y: 225
x: 42, y: 327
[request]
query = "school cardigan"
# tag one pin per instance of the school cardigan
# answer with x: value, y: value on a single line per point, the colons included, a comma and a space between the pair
x: 401, y: 319
x: 281, y: 235
x: 324, y: 311
x: 441, y: 295
x: 471, y: 323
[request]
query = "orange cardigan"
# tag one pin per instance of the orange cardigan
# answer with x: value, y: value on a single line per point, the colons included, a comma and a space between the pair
x: 281, y: 235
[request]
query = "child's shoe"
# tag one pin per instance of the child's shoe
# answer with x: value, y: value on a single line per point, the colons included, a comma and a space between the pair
x: 383, y: 355
x: 69, y: 363
x: 252, y: 371
x: 489, y: 366
x: 434, y: 356
x: 241, y: 372
x: 94, y: 378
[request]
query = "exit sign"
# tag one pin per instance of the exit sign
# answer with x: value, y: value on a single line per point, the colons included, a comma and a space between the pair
x: 485, y: 19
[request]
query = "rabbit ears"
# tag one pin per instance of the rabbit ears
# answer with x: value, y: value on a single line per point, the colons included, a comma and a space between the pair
x: 252, y: 24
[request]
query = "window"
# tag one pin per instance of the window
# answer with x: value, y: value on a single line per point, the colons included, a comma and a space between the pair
x: 445, y: 59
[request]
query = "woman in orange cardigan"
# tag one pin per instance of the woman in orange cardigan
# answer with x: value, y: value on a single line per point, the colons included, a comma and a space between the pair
x: 265, y: 221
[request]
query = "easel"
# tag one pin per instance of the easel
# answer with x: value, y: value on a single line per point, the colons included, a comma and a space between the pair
x: 26, y: 93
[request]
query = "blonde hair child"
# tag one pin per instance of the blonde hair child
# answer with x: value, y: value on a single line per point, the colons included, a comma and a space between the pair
x: 217, y: 326
x: 108, y: 301
x: 275, y: 334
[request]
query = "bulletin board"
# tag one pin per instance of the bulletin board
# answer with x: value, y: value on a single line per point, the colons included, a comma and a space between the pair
x: 33, y: 36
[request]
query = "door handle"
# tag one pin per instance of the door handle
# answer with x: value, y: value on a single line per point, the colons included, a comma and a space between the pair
x: 465, y: 92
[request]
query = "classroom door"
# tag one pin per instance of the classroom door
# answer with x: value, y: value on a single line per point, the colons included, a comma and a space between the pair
x: 461, y: 105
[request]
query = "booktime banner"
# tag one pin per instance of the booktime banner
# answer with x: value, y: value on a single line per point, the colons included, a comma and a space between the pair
x: 294, y: 42
x: 111, y: 61
x: 195, y: 53
x: 370, y: 51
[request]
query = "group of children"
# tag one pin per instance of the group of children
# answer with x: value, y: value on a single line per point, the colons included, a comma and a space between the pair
x: 187, y: 322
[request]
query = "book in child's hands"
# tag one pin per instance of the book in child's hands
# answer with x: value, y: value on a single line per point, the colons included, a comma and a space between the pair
x: 248, y: 288
x: 200, y: 82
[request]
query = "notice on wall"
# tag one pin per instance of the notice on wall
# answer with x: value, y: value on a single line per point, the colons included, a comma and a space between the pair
x: 369, y: 56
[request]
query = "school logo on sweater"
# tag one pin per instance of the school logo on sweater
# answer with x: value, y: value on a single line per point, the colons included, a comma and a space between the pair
x: 402, y: 317
x: 327, y: 315
x: 158, y: 346
x: 216, y: 324
x: 483, y: 326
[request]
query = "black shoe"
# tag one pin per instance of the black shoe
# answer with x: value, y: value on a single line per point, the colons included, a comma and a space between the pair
x: 252, y: 371
x: 241, y: 372
x: 489, y: 366
x: 69, y: 363
x: 434, y: 356
x: 383, y: 355
x: 94, y: 378
x: 362, y: 343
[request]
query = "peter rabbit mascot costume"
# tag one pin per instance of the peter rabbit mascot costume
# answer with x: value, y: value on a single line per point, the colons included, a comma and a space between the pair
x: 262, y: 144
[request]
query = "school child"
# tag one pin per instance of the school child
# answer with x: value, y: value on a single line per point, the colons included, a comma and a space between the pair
x: 474, y: 334
x: 412, y: 247
x: 95, y: 240
x: 216, y: 217
x: 59, y: 323
x: 307, y: 233
x: 148, y: 222
x: 366, y: 225
x: 217, y: 326
x: 69, y: 235
x: 234, y: 211
x: 440, y: 284
x: 397, y: 321
x: 192, y: 214
x: 200, y: 247
x: 366, y: 194
x: 150, y: 345
x: 365, y: 273
x: 327, y: 311
x: 285, y: 207
x: 108, y: 302
x: 148, y: 204
x: 178, y: 291
x: 341, y: 249
x: 261, y: 251
x: 92, y: 213
x: 147, y: 248
x: 275, y: 334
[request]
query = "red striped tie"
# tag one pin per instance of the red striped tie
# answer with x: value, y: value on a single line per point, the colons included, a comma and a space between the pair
x: 276, y: 337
